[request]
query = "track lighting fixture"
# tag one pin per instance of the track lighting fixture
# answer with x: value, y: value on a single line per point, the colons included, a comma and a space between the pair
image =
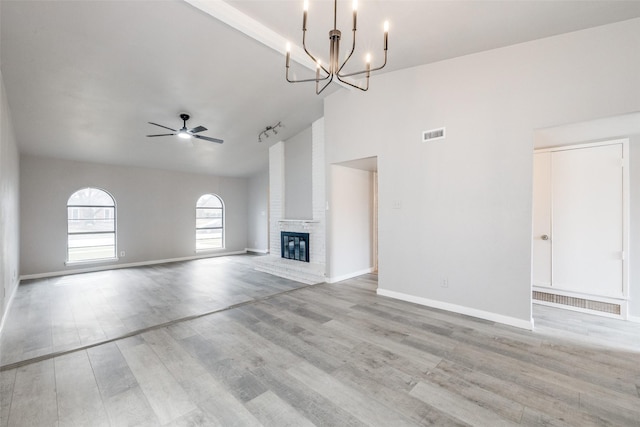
x: 265, y: 132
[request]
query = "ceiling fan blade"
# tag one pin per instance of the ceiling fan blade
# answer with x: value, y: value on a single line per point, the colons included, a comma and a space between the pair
x: 197, y: 129
x: 163, y: 134
x: 206, y: 138
x: 151, y: 123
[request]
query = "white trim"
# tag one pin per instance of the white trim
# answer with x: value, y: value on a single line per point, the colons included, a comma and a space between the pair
x: 8, y: 306
x: 626, y: 216
x: 581, y: 146
x: 634, y: 319
x: 257, y: 251
x: 349, y: 275
x: 468, y: 311
x: 626, y: 213
x: 131, y: 264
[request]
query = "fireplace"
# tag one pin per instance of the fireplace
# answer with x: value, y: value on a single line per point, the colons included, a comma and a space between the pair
x: 294, y: 246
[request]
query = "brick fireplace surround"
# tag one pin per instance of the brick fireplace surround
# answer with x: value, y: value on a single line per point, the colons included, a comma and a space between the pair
x: 313, y: 271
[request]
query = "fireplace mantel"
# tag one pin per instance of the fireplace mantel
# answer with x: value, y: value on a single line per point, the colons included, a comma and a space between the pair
x: 298, y: 224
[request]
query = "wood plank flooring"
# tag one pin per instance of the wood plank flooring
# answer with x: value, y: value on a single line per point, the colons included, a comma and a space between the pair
x: 326, y: 355
x: 59, y: 314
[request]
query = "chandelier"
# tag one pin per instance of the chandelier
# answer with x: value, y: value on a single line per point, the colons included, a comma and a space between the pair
x: 326, y: 74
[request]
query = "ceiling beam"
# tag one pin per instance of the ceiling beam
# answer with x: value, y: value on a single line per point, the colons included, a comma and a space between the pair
x: 231, y: 16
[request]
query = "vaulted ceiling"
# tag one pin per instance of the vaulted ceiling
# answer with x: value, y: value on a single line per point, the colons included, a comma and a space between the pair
x: 84, y: 78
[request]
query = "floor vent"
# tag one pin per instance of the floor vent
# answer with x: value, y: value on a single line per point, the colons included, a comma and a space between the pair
x: 605, y: 307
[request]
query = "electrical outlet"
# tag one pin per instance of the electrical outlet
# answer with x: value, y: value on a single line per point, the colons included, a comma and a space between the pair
x: 445, y: 283
x: 121, y: 254
x: 396, y: 204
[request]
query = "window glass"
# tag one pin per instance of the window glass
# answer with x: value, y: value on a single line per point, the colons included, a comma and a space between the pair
x: 209, y: 223
x: 91, y: 225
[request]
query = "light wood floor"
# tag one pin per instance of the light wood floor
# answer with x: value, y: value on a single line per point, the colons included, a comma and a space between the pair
x: 331, y: 354
x: 64, y: 313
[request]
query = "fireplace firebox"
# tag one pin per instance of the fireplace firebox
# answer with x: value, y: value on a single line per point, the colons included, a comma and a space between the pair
x: 294, y: 246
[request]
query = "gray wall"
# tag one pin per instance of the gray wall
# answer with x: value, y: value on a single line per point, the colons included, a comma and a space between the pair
x: 466, y: 201
x: 9, y: 205
x: 258, y: 214
x: 155, y: 210
x: 297, y: 176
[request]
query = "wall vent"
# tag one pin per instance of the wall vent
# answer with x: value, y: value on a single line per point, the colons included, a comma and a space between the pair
x: 605, y: 307
x: 432, y: 135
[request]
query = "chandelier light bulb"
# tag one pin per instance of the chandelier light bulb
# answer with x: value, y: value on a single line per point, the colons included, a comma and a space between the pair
x: 367, y: 58
x: 288, y: 53
x: 305, y: 5
x: 355, y: 4
x: 386, y: 26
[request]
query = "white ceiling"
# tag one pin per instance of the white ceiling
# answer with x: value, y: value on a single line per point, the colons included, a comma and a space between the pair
x: 83, y: 78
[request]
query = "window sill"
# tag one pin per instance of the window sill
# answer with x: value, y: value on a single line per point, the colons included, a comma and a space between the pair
x: 92, y: 261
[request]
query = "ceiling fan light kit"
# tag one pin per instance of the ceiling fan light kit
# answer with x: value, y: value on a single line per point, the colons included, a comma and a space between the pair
x: 186, y: 133
x: 334, y: 67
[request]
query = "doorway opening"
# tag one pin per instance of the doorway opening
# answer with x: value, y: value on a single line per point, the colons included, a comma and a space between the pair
x: 353, y: 234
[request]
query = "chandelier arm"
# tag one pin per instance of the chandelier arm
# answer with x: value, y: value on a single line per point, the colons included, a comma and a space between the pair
x: 318, y: 92
x: 304, y: 80
x: 354, y: 85
x: 304, y: 46
x: 316, y: 79
x: 308, y: 80
x: 364, y: 71
x: 383, y: 64
x: 353, y: 48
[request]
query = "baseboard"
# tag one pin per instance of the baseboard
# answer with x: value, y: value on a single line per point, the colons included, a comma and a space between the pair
x: 468, y: 311
x: 257, y: 251
x: 634, y: 319
x: 349, y: 275
x: 8, y: 306
x: 128, y: 265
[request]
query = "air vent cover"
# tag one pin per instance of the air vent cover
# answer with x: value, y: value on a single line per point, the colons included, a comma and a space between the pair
x: 604, y: 307
x: 432, y: 135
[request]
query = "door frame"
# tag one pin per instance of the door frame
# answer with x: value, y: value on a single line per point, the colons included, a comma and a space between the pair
x: 623, y: 301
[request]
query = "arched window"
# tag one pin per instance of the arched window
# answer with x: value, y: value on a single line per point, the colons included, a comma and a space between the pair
x: 91, y: 225
x: 209, y: 223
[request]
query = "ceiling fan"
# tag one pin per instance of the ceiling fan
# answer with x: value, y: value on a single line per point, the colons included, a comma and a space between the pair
x: 187, y: 133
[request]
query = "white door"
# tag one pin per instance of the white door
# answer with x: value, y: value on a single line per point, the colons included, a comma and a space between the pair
x: 584, y: 209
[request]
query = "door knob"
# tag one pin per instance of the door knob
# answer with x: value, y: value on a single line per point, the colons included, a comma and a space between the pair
x: 544, y: 237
